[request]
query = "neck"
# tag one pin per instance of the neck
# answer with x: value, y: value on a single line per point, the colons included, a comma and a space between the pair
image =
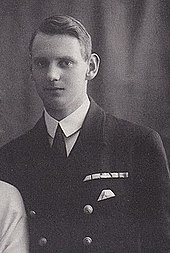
x: 57, y: 114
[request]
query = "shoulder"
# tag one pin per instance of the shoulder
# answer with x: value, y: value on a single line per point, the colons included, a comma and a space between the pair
x: 13, y: 220
x: 116, y: 128
x: 11, y: 199
x: 137, y: 140
x: 123, y: 129
x: 24, y: 141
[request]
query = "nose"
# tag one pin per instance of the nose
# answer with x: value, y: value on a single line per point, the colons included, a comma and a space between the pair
x: 53, y: 73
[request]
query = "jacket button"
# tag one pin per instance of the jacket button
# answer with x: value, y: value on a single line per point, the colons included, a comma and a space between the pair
x: 88, y: 209
x: 42, y: 241
x: 32, y: 213
x: 87, y: 240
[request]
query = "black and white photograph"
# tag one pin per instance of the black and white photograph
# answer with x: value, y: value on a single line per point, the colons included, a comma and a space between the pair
x: 84, y: 126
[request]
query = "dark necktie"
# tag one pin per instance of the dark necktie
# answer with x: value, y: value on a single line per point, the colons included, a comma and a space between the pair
x: 58, y: 147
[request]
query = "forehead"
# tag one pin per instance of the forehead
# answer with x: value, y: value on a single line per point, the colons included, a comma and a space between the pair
x: 56, y: 46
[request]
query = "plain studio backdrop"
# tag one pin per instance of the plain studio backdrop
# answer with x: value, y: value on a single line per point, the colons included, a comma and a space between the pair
x: 132, y: 38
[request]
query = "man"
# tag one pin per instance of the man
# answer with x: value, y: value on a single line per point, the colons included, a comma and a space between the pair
x: 90, y: 182
x: 13, y: 227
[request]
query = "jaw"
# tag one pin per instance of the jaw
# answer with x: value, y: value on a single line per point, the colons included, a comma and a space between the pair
x: 59, y: 107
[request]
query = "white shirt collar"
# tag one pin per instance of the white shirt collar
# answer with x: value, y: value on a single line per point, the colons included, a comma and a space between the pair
x: 71, y: 124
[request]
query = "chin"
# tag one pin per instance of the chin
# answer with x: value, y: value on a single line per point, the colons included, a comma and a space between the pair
x: 55, y: 104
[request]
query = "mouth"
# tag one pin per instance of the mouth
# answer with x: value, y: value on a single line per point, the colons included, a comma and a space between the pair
x: 53, y: 89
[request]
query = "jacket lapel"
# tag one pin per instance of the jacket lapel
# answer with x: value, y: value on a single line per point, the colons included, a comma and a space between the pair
x: 39, y: 135
x: 91, y: 142
x: 39, y: 147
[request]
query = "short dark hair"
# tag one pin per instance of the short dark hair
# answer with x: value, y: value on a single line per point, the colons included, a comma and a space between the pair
x: 65, y: 25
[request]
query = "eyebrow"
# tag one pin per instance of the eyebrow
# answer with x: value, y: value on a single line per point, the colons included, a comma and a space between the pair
x: 57, y: 58
x: 68, y: 58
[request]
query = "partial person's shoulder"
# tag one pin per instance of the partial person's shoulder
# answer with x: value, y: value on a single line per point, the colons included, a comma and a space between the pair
x: 7, y: 190
x: 13, y: 220
x: 10, y: 197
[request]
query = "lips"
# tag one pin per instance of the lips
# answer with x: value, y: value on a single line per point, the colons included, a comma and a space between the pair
x: 53, y: 89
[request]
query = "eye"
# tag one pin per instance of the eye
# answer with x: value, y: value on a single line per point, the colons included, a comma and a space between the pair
x: 41, y: 62
x: 66, y: 63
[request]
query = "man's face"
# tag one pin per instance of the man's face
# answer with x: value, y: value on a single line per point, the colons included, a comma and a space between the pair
x: 59, y: 72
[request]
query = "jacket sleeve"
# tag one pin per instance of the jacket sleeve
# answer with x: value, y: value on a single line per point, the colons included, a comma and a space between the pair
x: 152, y: 191
x: 13, y: 225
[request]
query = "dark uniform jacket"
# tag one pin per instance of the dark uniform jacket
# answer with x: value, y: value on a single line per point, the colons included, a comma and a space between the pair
x: 110, y: 196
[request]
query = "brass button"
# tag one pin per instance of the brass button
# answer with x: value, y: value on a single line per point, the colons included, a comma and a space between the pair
x: 42, y: 242
x: 88, y: 209
x: 87, y: 240
x: 32, y: 213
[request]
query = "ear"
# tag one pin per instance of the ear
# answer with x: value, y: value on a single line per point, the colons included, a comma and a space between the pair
x: 93, y: 66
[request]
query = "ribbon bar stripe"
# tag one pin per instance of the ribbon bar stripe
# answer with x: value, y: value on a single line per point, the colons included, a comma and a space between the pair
x: 106, y: 175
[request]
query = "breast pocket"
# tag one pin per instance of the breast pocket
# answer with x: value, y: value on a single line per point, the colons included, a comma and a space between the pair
x: 110, y: 196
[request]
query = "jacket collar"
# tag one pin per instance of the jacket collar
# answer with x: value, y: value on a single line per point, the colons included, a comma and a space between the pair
x: 92, y: 130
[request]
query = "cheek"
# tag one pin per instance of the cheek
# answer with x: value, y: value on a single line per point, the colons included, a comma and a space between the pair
x: 38, y: 88
x: 38, y: 75
x: 78, y: 76
x: 38, y: 82
x: 80, y: 72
